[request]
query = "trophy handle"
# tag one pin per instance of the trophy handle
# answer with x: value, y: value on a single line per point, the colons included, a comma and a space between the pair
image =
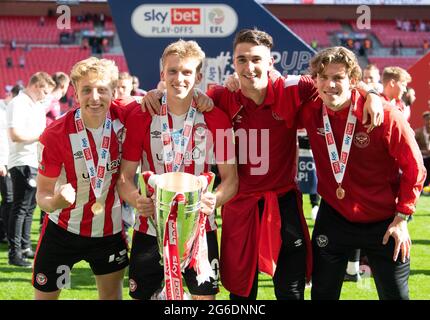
x: 147, y: 183
x: 207, y: 179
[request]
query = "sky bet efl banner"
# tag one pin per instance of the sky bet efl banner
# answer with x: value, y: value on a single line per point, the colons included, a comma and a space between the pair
x: 147, y: 27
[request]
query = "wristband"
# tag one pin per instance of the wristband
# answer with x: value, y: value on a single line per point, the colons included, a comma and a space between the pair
x: 403, y: 216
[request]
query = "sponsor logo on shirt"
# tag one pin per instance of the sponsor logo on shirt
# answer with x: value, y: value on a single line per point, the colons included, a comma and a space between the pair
x: 155, y: 134
x: 78, y: 155
x: 361, y: 140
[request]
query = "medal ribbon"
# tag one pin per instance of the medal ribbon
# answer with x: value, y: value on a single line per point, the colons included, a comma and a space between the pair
x: 174, y: 156
x: 172, y: 267
x: 338, y: 166
x: 97, y: 176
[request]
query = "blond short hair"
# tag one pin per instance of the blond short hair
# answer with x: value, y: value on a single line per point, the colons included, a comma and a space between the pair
x: 371, y: 66
x: 336, y: 55
x: 41, y: 78
x: 395, y: 73
x: 184, y: 49
x: 125, y: 76
x: 99, y: 68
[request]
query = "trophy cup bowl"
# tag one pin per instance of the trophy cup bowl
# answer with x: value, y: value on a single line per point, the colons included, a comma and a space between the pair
x: 167, y: 186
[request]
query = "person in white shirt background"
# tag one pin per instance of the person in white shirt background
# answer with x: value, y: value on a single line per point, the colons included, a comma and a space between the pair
x: 26, y: 121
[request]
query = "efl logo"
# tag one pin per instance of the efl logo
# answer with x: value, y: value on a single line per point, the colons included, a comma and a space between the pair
x: 185, y: 16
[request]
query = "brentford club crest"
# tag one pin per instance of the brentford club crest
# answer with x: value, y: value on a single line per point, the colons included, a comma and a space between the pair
x: 361, y: 140
x: 41, y: 279
x: 276, y: 117
x: 132, y: 285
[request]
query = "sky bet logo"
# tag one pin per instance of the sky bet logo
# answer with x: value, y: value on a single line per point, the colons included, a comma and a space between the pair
x: 184, y: 20
x: 177, y: 16
x: 185, y: 16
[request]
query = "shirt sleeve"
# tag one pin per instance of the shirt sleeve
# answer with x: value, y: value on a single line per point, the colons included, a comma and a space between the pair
x: 287, y: 98
x: 49, y: 155
x: 15, y: 114
x: 134, y: 135
x: 307, y: 90
x: 403, y: 147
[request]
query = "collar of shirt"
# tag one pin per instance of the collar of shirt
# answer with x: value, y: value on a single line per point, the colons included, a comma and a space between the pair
x: 268, y: 100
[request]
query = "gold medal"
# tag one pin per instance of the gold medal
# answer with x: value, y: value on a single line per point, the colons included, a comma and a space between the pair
x: 340, y: 193
x: 97, y: 208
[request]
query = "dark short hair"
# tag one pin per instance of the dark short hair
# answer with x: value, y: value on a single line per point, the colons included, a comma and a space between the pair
x: 255, y: 36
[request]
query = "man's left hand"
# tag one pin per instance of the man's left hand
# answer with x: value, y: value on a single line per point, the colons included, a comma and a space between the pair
x: 398, y: 229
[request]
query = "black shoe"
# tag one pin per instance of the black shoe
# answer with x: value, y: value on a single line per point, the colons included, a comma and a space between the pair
x: 27, y: 253
x: 19, y: 262
x: 351, y: 277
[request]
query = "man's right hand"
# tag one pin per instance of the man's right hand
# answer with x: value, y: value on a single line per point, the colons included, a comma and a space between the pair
x: 232, y: 82
x: 65, y: 196
x: 3, y: 171
x: 151, y: 102
x: 145, y: 206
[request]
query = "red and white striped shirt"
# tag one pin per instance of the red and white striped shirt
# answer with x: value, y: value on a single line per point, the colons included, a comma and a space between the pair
x: 143, y: 143
x: 60, y: 155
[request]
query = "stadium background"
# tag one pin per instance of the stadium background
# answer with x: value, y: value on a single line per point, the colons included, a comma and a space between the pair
x: 51, y: 49
x: 47, y: 48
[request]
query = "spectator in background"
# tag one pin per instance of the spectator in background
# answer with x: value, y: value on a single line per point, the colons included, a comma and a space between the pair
x: 13, y: 44
x: 394, y: 50
x: 26, y: 122
x: 395, y: 81
x: 42, y: 21
x: 124, y: 87
x: 52, y: 101
x: 136, y: 90
x: 372, y: 77
x: 5, y: 179
x: 367, y: 46
x: 400, y: 47
x: 21, y: 61
x: 314, y: 44
x: 9, y: 62
x: 422, y: 26
x: 123, y: 91
x: 422, y: 135
x: 425, y: 45
x: 409, y: 97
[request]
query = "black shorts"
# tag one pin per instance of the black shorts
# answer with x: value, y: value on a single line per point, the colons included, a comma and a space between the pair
x: 58, y: 250
x: 146, y: 274
x: 333, y: 239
